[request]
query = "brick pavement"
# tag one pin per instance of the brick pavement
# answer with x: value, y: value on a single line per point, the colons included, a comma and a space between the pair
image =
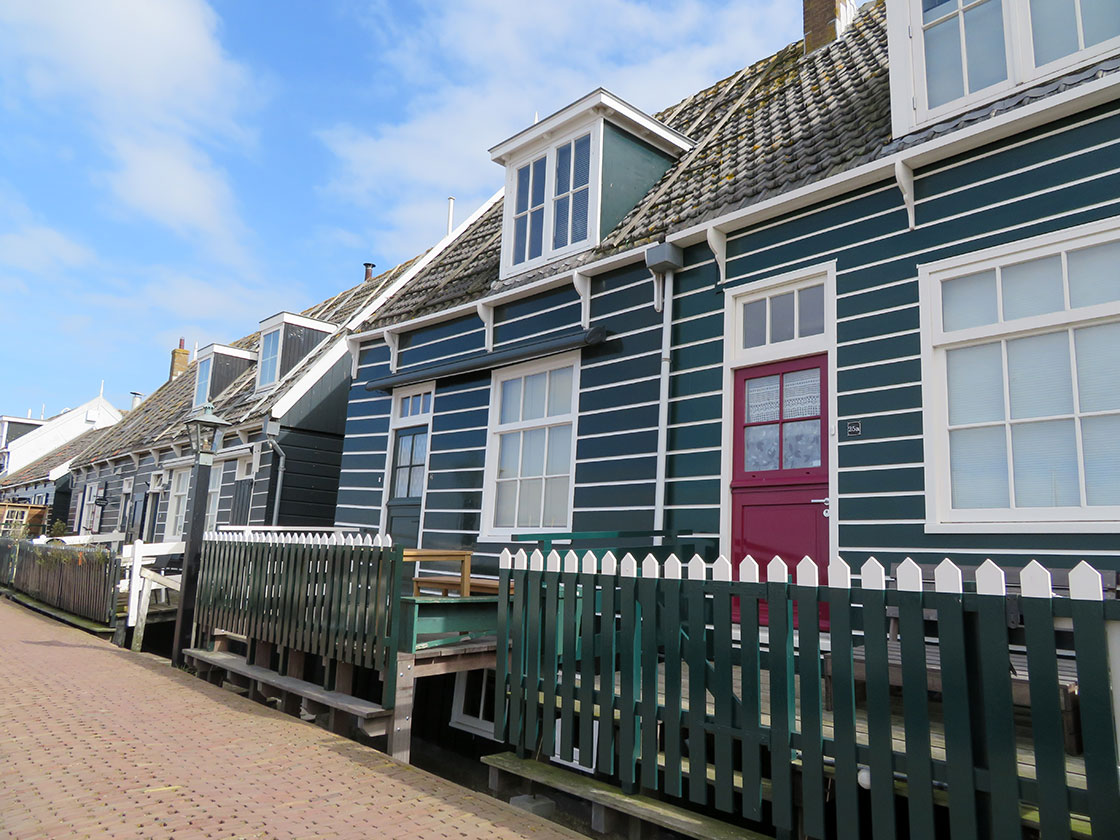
x: 101, y: 743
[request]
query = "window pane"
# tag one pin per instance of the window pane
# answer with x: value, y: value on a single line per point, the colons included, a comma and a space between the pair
x: 754, y: 324
x: 535, y: 391
x: 529, y: 503
x: 538, y: 182
x: 1053, y: 29
x: 563, y: 168
x: 559, y: 391
x: 944, y: 79
x: 419, y: 447
x: 762, y: 399
x: 1039, y: 378
x: 400, y: 489
x: 511, y: 401
x: 202, y: 382
x: 559, y: 460
x: 761, y: 447
x: 560, y: 223
x: 801, y: 394
x: 416, y: 483
x: 1101, y: 20
x: 969, y: 301
x: 1094, y: 276
x: 975, y: 384
x: 1100, y: 437
x: 523, y: 189
x: 1098, y: 384
x: 781, y: 317
x: 582, y: 161
x: 519, y: 226
x: 505, y: 504
x: 509, y: 452
x: 978, y: 468
x: 983, y: 37
x: 532, y: 452
x: 801, y: 444
x: 555, y: 502
x: 1045, y: 464
x: 1032, y: 288
x: 579, y: 216
x: 536, y: 233
x: 404, y: 450
x: 933, y: 9
x: 810, y: 311
x: 426, y: 402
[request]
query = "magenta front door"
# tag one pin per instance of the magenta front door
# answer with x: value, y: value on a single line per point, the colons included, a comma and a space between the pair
x: 779, y: 487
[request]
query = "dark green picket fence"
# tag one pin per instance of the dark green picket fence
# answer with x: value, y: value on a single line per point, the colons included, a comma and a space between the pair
x: 335, y: 598
x: 665, y: 679
x: 9, y: 549
x: 80, y: 581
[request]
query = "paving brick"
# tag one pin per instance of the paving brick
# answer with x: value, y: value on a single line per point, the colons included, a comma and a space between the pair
x: 103, y: 743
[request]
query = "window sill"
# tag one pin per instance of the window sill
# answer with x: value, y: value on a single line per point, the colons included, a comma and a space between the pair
x: 1099, y: 526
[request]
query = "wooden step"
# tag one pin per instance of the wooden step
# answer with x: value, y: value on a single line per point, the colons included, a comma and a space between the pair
x: 230, y: 662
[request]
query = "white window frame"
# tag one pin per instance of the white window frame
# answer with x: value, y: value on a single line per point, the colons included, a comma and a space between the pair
x: 907, y: 64
x: 244, y: 468
x: 279, y: 331
x: 472, y: 721
x: 940, y: 516
x: 396, y: 421
x: 208, y: 363
x: 176, y: 502
x: 595, y: 129
x: 89, y: 493
x: 214, y: 495
x: 488, y: 531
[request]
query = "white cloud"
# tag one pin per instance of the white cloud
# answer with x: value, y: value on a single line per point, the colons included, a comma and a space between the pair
x: 483, y: 68
x: 40, y: 249
x: 152, y: 82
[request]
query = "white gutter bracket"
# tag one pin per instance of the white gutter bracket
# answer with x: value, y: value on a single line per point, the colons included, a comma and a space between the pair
x: 486, y: 314
x: 582, y: 284
x: 904, y: 176
x: 717, y: 241
x: 391, y: 340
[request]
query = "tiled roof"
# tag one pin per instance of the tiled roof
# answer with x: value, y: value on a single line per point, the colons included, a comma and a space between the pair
x: 780, y: 124
x: 158, y: 420
x: 39, y: 470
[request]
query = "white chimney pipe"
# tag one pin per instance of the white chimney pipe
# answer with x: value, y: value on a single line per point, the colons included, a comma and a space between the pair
x: 450, y: 214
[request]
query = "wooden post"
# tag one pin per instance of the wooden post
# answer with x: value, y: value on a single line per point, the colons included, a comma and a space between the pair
x: 400, y: 729
x: 142, y: 616
x: 344, y: 683
x: 134, y: 582
x: 294, y: 668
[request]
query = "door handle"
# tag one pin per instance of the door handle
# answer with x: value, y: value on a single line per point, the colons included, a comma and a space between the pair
x: 820, y: 501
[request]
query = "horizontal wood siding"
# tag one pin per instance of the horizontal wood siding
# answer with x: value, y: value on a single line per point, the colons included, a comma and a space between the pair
x: 1045, y: 180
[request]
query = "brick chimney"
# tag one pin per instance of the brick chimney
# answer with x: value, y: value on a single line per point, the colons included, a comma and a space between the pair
x: 825, y: 21
x: 369, y: 271
x: 180, y: 358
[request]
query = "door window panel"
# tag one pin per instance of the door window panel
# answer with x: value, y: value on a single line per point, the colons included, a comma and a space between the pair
x: 783, y: 421
x: 408, y: 471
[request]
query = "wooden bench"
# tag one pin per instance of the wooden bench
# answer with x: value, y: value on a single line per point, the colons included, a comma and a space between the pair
x: 445, y: 584
x: 610, y: 807
x: 372, y: 719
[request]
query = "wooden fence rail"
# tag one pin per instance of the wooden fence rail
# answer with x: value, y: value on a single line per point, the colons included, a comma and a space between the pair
x: 80, y: 581
x: 334, y: 596
x: 670, y: 678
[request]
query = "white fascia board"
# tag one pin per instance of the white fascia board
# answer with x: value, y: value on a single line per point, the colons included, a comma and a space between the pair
x: 1064, y: 104
x: 309, y: 377
x: 504, y: 296
x: 598, y: 103
x: 226, y: 350
x: 297, y: 320
x: 59, y: 471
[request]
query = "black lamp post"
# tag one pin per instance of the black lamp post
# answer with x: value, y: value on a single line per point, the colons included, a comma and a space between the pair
x: 203, y: 429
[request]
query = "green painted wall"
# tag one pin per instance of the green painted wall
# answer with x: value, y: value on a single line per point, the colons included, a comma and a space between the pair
x: 630, y: 169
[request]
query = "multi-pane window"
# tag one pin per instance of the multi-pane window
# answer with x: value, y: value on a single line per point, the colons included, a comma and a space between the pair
x: 970, y: 46
x: 177, y: 504
x: 572, y: 190
x: 1032, y: 401
x: 783, y: 316
x: 783, y: 421
x: 269, y: 363
x: 532, y: 449
x: 202, y: 383
x: 528, y: 218
x: 414, y: 405
x: 213, y: 495
x: 408, y: 463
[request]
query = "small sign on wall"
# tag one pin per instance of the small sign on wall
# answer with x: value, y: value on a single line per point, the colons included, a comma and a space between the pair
x: 855, y: 428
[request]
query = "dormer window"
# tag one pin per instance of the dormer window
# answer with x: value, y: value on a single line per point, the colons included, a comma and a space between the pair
x: 218, y: 366
x: 966, y: 52
x: 286, y: 338
x: 573, y: 176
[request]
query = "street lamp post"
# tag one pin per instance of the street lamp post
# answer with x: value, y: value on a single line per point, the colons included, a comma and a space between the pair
x: 203, y: 430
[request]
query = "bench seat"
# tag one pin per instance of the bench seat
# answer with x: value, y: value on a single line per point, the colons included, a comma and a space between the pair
x: 448, y: 585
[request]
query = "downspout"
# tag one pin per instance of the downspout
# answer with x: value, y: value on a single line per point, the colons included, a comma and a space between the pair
x: 663, y: 402
x: 275, y: 447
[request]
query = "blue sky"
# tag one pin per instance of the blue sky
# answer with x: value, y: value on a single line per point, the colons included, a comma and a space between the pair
x: 183, y: 168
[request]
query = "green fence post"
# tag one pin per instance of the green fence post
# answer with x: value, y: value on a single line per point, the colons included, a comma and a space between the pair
x: 608, y: 582
x: 873, y: 582
x: 649, y: 635
x: 843, y: 701
x: 630, y: 676
x: 915, y: 699
x: 782, y: 697
x: 750, y: 717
